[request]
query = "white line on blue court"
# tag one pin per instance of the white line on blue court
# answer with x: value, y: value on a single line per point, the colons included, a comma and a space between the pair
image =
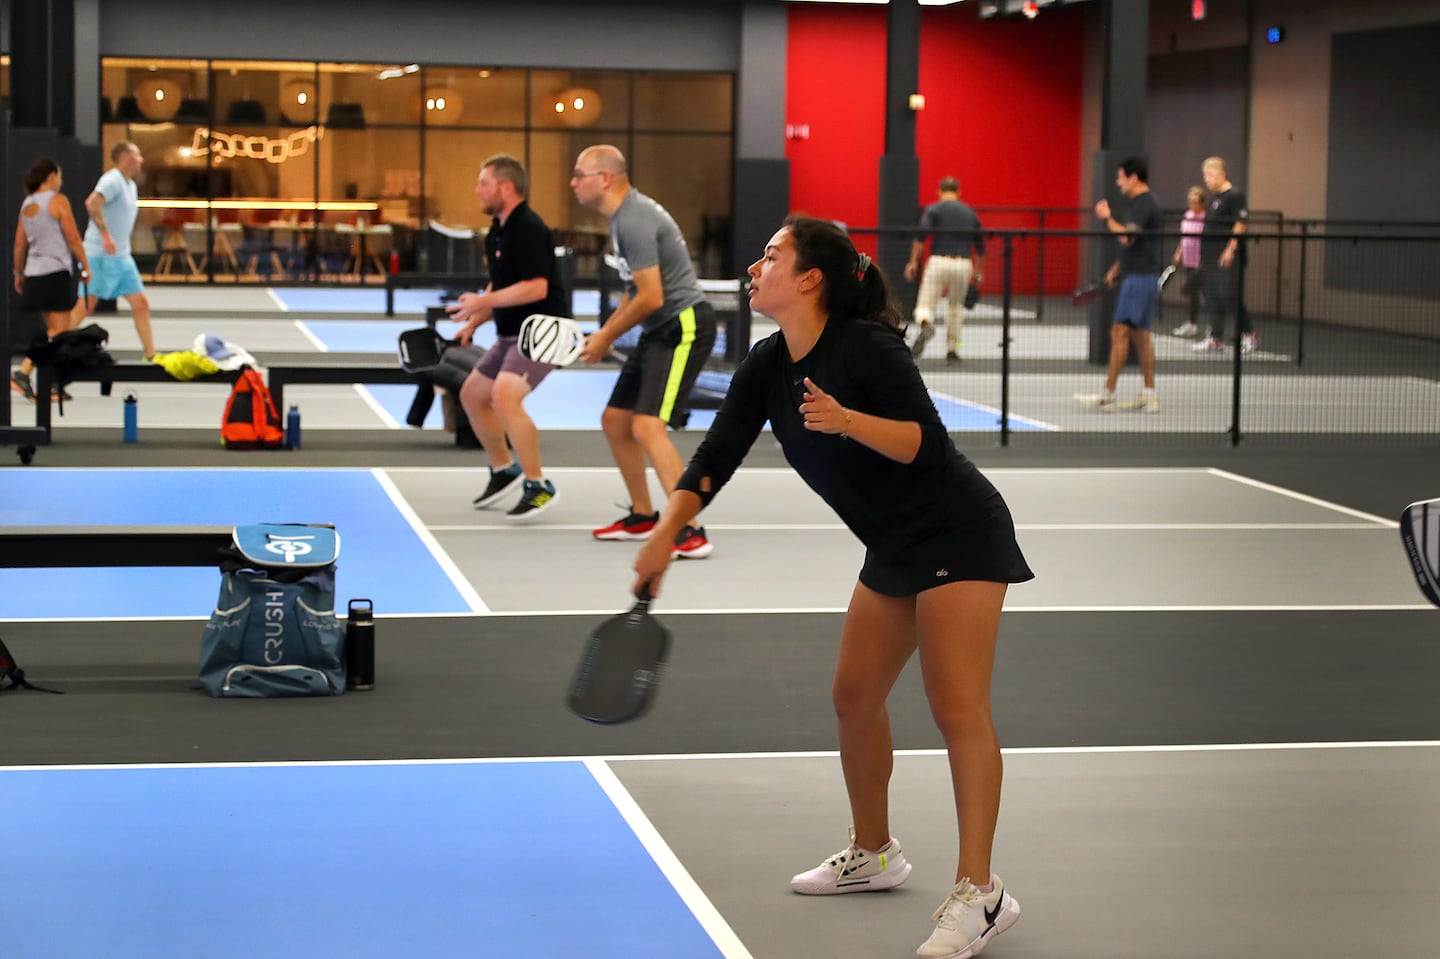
x: 306, y: 332
x: 457, y: 578
x: 679, y: 877
x: 375, y: 407
x: 982, y: 407
x: 275, y: 298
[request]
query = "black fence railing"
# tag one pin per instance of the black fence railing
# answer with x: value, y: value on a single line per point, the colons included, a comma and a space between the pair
x: 1346, y: 345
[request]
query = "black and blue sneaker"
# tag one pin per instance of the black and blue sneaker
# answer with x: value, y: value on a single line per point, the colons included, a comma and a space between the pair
x: 538, y: 496
x: 500, y: 482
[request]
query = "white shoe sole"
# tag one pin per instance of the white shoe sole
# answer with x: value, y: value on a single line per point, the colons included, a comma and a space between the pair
x: 700, y: 553
x: 622, y: 537
x: 827, y: 885
x: 1009, y: 915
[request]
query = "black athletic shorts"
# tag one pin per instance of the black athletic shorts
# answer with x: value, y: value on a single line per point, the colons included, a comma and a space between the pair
x: 49, y: 293
x: 658, y: 375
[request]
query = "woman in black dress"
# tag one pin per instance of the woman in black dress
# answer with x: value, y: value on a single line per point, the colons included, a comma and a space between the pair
x: 848, y: 406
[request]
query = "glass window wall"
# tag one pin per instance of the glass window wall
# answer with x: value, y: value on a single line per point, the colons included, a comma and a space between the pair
x: 271, y: 171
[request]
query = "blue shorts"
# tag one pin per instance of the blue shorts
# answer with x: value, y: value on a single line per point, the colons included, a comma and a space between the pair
x: 1139, y: 293
x: 113, y: 276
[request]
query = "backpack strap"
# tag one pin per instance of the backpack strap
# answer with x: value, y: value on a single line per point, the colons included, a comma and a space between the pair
x: 13, y: 677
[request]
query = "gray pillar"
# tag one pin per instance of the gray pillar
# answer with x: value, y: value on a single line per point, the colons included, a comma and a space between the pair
x: 899, y: 168
x: 1122, y: 134
x: 762, y: 173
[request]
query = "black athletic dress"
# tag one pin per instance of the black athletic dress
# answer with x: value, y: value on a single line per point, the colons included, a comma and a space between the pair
x: 925, y: 523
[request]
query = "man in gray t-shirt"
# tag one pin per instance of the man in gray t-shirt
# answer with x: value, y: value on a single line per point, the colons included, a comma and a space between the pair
x: 956, y: 263
x: 677, y: 324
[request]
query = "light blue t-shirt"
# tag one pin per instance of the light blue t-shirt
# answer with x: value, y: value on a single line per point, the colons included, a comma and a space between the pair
x: 121, y: 209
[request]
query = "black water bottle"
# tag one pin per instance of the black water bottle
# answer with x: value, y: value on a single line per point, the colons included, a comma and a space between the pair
x: 360, y: 645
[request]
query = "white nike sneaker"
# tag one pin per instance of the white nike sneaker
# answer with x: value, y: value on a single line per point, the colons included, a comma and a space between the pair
x: 968, y: 919
x: 853, y: 869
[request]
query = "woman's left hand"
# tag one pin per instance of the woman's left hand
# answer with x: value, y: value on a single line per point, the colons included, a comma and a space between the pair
x: 823, y: 412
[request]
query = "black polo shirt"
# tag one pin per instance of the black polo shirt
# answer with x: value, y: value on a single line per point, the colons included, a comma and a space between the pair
x: 521, y: 248
x: 1221, y: 215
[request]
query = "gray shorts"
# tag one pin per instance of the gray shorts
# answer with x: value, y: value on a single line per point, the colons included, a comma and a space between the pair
x: 505, y: 357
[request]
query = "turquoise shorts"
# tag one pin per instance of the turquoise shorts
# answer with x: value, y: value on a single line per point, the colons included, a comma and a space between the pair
x: 113, y: 276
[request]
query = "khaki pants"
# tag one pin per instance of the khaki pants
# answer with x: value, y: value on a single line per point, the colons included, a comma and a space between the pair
x: 946, y: 277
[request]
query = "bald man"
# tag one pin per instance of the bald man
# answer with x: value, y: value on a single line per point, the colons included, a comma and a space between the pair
x: 663, y: 297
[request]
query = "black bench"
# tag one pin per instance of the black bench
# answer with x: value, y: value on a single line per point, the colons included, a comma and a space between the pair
x: 107, y: 375
x: 449, y: 281
x: 281, y: 375
x: 37, y: 547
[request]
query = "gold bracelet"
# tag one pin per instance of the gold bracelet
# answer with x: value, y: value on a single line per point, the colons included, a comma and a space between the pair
x: 845, y: 433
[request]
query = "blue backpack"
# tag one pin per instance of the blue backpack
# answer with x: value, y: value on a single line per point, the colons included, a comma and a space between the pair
x: 274, y: 631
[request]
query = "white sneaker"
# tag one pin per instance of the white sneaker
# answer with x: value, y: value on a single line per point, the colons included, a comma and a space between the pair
x: 853, y: 869
x: 1208, y: 345
x: 1187, y: 329
x: 968, y: 919
x: 1248, y: 342
x: 924, y: 335
x: 1102, y: 401
x: 1144, y: 403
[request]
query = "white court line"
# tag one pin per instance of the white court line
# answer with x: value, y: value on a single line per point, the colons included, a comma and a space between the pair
x: 1312, y: 500
x: 779, y: 754
x: 841, y: 527
x: 457, y: 578
x: 375, y: 407
x: 783, y: 611
x: 1014, y: 417
x: 679, y: 877
x: 315, y: 341
x: 275, y: 298
x: 788, y: 471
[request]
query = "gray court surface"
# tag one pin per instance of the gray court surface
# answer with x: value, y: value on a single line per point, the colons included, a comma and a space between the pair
x: 1217, y: 697
x: 1096, y: 538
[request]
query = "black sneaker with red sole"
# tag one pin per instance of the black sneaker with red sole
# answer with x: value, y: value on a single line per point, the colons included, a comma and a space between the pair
x: 632, y: 526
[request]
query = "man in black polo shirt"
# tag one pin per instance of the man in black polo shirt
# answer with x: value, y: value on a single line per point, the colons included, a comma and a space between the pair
x: 1220, y: 253
x: 523, y: 280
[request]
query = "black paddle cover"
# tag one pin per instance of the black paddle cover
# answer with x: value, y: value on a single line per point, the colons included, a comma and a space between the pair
x: 620, y: 670
x: 1420, y: 532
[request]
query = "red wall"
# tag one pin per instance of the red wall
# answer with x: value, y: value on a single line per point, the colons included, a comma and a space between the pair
x: 1002, y: 109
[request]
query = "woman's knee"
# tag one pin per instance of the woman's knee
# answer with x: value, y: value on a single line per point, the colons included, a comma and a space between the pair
x: 856, y: 698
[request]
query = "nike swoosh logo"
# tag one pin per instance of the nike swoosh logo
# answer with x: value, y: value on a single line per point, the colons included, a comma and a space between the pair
x: 990, y: 917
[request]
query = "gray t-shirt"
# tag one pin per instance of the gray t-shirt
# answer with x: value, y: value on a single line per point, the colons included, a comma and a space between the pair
x: 122, y: 206
x: 952, y: 215
x: 644, y: 234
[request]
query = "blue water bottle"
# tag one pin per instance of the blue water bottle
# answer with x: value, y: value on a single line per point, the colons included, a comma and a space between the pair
x: 132, y: 418
x: 292, y: 428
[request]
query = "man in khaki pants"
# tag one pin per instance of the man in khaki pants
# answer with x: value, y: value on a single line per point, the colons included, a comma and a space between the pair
x: 956, y: 261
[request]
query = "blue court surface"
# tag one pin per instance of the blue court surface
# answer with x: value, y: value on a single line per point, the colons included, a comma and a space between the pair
x: 387, y: 860
x: 568, y: 401
x: 329, y: 299
x: 382, y: 556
